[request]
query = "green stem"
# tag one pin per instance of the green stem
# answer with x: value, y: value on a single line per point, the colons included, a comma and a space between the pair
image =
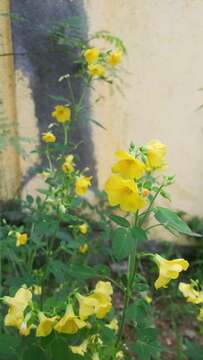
x: 65, y: 134
x: 49, y: 159
x: 150, y: 205
x: 132, y: 266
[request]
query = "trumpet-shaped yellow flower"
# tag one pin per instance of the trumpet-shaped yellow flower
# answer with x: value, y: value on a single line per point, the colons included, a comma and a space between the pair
x: 115, y: 57
x: 14, y: 317
x: 83, y: 228
x: 124, y: 193
x: 113, y: 325
x: 68, y: 165
x: 62, y: 114
x: 24, y: 329
x: 104, y: 287
x: 128, y: 166
x: 46, y: 325
x: 84, y: 248
x: 91, y: 55
x: 21, y: 239
x: 20, y: 300
x: 17, y: 306
x: 69, y: 323
x: 156, y: 152
x: 48, y: 137
x: 96, y: 70
x: 193, y: 296
x: 82, y: 184
x: 80, y: 349
x: 168, y: 270
x: 98, y: 303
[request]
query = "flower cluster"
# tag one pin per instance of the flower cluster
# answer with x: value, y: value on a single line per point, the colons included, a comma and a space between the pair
x: 24, y: 316
x: 126, y: 188
x: 98, y: 62
x: 192, y: 295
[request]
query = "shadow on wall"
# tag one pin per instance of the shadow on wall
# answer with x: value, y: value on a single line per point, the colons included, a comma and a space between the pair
x: 43, y: 61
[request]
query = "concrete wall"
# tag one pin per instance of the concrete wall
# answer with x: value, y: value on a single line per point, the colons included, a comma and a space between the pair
x: 164, y: 39
x: 9, y: 160
x: 164, y: 66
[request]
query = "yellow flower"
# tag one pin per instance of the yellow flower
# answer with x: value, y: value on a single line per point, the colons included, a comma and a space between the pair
x: 115, y: 58
x: 98, y: 303
x: 48, y: 137
x: 61, y: 113
x: 24, y: 330
x: 21, y: 239
x: 80, y: 349
x: 83, y: 228
x: 128, y: 166
x: 37, y: 290
x: 45, y: 174
x: 46, y: 325
x: 200, y: 316
x: 17, y: 306
x: 113, y: 325
x: 96, y: 70
x: 169, y: 269
x: 156, y: 152
x: 119, y: 355
x: 192, y: 295
x: 124, y: 193
x: 69, y: 323
x: 91, y: 55
x: 84, y: 248
x: 82, y: 184
x: 68, y: 165
x: 148, y: 299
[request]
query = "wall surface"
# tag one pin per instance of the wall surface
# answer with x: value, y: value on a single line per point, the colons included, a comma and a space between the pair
x: 164, y: 40
x: 161, y: 80
x: 9, y: 160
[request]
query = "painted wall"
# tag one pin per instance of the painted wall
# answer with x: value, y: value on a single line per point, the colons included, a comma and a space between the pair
x: 164, y: 64
x: 9, y: 160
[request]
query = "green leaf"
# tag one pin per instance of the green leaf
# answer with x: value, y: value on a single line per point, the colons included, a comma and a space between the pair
x: 194, y: 351
x: 81, y: 272
x: 57, y: 268
x: 34, y: 353
x: 9, y: 345
x: 139, y: 233
x: 123, y: 243
x: 137, y: 311
x: 120, y: 220
x: 144, y: 350
x: 172, y: 221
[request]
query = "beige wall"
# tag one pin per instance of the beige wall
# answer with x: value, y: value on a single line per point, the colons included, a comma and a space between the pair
x: 9, y: 160
x: 164, y: 39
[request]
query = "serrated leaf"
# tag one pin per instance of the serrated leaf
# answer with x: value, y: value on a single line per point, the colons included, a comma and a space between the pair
x: 123, y: 243
x: 120, y: 220
x: 172, y: 221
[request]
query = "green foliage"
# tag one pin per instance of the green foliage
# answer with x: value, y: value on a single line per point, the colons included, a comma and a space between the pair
x: 172, y: 222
